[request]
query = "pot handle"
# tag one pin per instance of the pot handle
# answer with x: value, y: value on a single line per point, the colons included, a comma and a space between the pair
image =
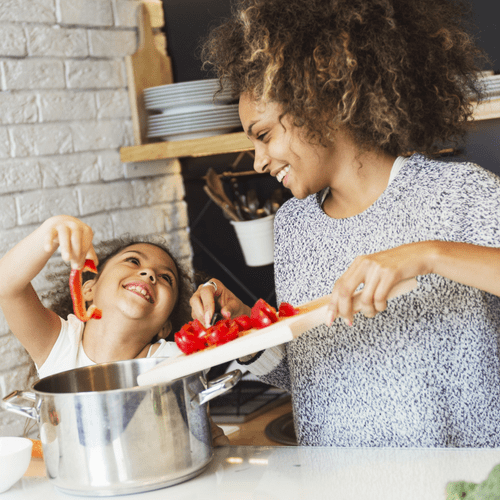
x: 25, y: 411
x: 218, y: 386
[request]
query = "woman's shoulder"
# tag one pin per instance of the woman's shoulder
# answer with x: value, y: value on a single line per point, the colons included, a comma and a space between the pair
x: 452, y: 170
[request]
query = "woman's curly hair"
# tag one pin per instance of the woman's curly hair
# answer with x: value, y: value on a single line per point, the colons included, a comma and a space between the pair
x: 58, y: 299
x: 400, y: 75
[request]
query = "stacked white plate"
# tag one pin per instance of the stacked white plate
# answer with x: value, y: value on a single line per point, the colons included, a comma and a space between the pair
x: 491, y: 86
x: 190, y: 110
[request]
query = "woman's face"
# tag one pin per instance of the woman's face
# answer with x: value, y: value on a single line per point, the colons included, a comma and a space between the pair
x: 282, y: 150
x: 142, y: 282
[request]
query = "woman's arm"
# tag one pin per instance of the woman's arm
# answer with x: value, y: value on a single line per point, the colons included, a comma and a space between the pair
x: 35, y: 326
x: 465, y: 263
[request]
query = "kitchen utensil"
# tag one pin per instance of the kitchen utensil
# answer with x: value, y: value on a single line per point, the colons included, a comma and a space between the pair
x: 215, y: 184
x: 229, y: 211
x: 312, y: 314
x: 147, y: 67
x: 252, y: 202
x: 103, y: 435
x: 239, y: 200
x: 15, y: 456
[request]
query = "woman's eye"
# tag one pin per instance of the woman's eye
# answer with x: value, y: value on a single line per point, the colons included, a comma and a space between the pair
x: 134, y: 260
x: 261, y: 137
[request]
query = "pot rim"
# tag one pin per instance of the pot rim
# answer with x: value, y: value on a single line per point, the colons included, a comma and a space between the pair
x: 137, y: 388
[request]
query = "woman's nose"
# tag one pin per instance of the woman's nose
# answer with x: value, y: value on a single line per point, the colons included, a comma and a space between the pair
x: 261, y: 161
x: 150, y: 274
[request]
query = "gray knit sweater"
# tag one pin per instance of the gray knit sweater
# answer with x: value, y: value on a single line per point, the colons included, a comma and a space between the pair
x: 425, y: 372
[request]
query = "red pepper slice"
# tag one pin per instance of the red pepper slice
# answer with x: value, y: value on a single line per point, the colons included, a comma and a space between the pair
x: 262, y: 305
x: 75, y: 287
x: 285, y: 310
x: 244, y: 322
x: 223, y: 331
x: 188, y: 342
x: 191, y: 337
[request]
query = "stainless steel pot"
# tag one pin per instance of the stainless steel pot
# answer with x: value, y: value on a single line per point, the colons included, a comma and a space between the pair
x: 103, y: 435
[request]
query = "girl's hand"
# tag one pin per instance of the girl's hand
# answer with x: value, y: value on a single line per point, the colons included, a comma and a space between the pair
x: 204, y: 301
x: 381, y: 273
x: 73, y: 237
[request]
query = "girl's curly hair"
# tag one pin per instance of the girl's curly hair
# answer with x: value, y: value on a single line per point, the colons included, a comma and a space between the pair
x: 59, y: 298
x: 400, y: 75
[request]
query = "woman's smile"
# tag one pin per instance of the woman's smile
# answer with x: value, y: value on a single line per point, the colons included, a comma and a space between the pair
x: 282, y: 150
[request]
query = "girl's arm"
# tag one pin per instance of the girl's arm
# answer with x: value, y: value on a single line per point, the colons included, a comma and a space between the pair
x: 35, y: 326
x: 465, y: 263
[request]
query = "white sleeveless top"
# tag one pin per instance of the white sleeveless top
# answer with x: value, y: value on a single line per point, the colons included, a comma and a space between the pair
x: 67, y: 353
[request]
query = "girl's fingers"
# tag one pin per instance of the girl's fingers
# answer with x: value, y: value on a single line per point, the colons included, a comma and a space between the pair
x: 64, y: 237
x: 92, y: 256
x: 51, y: 241
x: 82, y: 249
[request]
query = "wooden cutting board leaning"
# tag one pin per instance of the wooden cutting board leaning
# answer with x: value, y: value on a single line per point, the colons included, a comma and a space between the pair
x: 311, y: 315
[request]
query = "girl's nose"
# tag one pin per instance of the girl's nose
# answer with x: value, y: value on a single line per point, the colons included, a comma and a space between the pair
x: 150, y: 274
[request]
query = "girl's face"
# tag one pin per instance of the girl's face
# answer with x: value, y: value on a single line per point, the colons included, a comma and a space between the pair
x: 282, y: 150
x: 142, y: 282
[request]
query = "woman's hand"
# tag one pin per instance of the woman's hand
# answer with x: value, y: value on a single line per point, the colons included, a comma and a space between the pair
x: 204, y: 300
x: 74, y: 238
x: 384, y: 275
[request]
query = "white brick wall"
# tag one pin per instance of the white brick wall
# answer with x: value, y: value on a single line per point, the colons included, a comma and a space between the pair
x: 64, y: 114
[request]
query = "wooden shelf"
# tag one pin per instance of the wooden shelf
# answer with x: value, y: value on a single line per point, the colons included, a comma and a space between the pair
x: 488, y: 110
x: 207, y: 146
x: 150, y: 67
x: 236, y: 142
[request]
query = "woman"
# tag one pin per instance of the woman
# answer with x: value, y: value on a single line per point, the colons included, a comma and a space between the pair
x: 335, y: 95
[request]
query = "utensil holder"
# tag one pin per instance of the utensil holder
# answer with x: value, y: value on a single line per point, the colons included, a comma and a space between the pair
x: 256, y: 238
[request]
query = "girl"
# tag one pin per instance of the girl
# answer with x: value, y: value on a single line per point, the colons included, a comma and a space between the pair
x: 334, y: 96
x: 142, y: 291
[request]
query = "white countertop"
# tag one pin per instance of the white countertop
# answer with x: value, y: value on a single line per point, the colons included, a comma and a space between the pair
x: 299, y: 473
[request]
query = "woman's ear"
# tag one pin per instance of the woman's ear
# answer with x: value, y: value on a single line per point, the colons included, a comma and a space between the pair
x: 88, y: 290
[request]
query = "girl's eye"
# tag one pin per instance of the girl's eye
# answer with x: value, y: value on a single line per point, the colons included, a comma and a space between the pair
x: 167, y: 278
x: 134, y: 260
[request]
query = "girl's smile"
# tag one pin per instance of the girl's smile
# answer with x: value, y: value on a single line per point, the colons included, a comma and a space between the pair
x: 142, y: 289
x: 141, y: 281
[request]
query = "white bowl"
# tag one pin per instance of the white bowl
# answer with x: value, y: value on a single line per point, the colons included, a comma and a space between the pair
x: 15, y: 456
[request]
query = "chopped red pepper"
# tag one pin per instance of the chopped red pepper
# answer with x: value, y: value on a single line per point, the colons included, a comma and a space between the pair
x: 285, y: 310
x: 75, y: 287
x: 260, y: 319
x: 269, y: 311
x: 244, y: 322
x: 222, y: 332
x: 193, y: 336
x: 188, y: 342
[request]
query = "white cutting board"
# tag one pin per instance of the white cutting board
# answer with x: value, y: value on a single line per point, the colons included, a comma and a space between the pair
x: 312, y: 314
